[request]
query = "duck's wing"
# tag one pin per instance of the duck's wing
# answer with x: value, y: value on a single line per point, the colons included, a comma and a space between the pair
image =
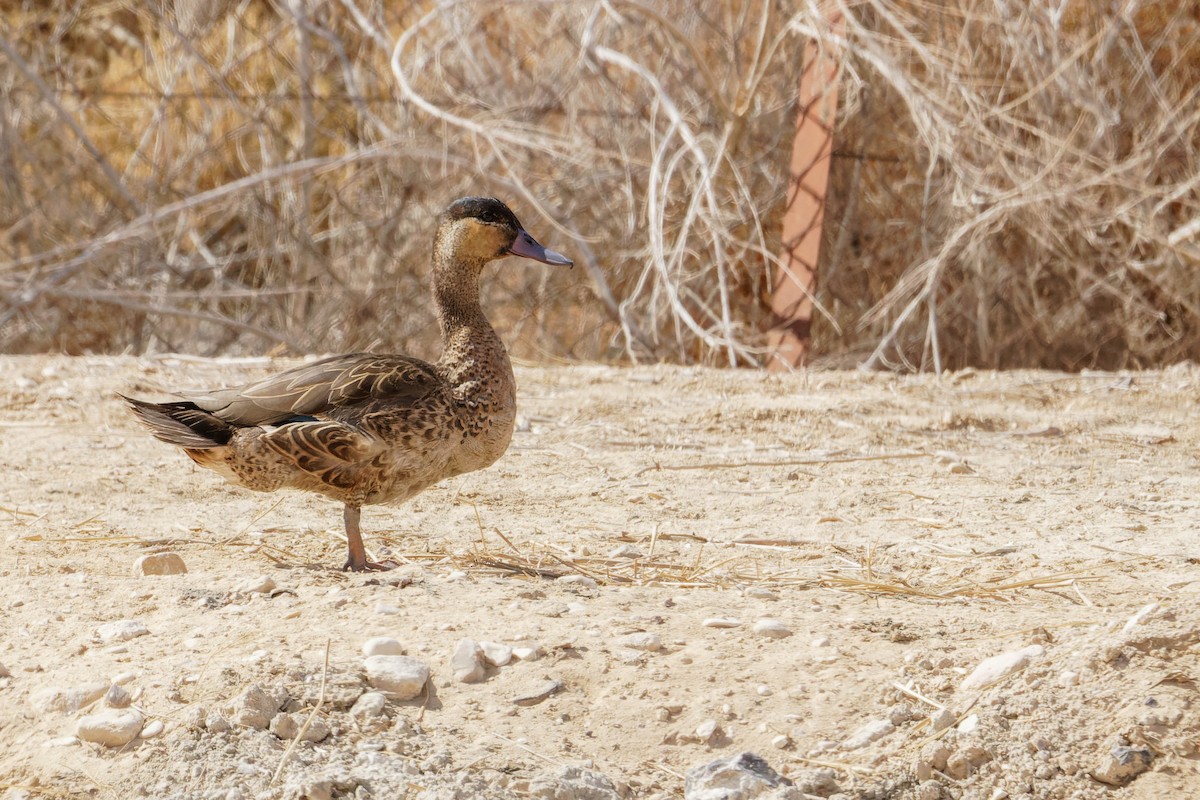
x: 321, y: 387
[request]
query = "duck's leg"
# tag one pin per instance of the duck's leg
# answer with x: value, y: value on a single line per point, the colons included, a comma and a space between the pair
x: 357, y: 560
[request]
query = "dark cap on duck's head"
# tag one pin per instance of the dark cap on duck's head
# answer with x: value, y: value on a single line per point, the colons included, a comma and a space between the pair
x: 492, y: 212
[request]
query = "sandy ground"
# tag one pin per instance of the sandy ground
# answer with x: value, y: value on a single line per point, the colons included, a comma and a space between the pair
x: 901, y: 529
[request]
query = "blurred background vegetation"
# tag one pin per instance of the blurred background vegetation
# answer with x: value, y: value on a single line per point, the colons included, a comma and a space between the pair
x: 1014, y: 184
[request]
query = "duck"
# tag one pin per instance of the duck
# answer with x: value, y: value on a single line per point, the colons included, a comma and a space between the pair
x: 369, y: 429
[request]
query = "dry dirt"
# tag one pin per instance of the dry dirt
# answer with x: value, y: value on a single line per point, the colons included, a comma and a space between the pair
x: 902, y: 528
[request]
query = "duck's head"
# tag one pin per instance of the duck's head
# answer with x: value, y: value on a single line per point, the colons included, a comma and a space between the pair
x: 476, y: 230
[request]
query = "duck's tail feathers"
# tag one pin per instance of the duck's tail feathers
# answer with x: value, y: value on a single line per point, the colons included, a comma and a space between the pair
x: 183, y: 423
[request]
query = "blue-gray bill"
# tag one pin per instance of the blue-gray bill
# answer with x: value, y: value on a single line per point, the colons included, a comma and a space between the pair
x: 527, y: 247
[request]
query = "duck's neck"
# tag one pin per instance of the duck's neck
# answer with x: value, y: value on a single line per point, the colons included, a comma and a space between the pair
x: 471, y: 350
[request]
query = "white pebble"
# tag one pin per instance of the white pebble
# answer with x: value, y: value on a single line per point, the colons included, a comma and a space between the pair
x: 467, y: 662
x: 626, y: 551
x: 398, y: 677
x: 772, y: 629
x: 122, y: 678
x: 259, y: 584
x: 65, y: 700
x: 646, y: 641
x: 154, y: 728
x: 160, y: 564
x: 527, y: 652
x: 382, y: 646
x: 763, y: 691
x: 117, y: 697
x: 289, y: 726
x: 721, y: 622
x: 120, y: 631
x: 995, y: 668
x: 873, y: 730
x: 254, y: 708
x: 781, y: 741
x: 1068, y: 678
x: 578, y: 580
x: 820, y: 641
x: 369, y: 704
x: 386, y: 608
x: 708, y: 730
x: 761, y: 594
x: 111, y: 728
x: 970, y: 724
x: 496, y: 654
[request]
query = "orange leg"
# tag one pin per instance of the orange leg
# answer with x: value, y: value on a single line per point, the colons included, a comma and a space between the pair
x: 357, y: 560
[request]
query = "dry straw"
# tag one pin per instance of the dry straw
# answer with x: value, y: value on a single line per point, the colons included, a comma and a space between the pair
x: 1014, y: 183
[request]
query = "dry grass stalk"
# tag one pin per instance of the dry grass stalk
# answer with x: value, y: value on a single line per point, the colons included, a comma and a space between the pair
x: 1014, y: 183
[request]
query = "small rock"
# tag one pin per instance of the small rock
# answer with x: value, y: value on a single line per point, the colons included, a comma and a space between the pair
x: 120, y: 631
x: 259, y: 584
x: 495, y: 654
x: 721, y: 622
x: 152, y: 729
x: 645, y: 641
x: 111, y: 728
x: 386, y: 608
x: 739, y: 777
x: 321, y: 789
x: 929, y: 790
x: 820, y: 641
x: 761, y: 593
x: 782, y: 741
x: 216, y: 723
x: 933, y: 757
x: 572, y: 783
x: 772, y: 629
x: 578, y: 580
x: 942, y: 719
x: 538, y: 693
x: 969, y: 725
x: 1122, y: 764
x: 1068, y: 678
x: 289, y: 726
x: 872, y: 731
x: 382, y: 646
x: 117, y: 697
x: 253, y: 708
x: 4, y: 672
x: 998, y: 667
x: 708, y: 731
x: 398, y: 677
x: 67, y: 700
x: 965, y: 761
x: 370, y: 704
x: 160, y: 564
x: 467, y: 662
x: 530, y: 652
x: 626, y: 551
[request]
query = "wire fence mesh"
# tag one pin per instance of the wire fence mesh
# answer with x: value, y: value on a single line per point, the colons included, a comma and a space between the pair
x: 1014, y: 183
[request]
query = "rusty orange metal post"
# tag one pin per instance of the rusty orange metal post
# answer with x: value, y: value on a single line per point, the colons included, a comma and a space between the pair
x: 808, y: 182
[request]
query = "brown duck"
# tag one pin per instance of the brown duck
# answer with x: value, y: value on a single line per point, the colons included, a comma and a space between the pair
x: 367, y: 429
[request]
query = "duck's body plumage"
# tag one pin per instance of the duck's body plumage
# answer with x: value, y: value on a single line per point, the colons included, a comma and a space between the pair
x: 366, y: 429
